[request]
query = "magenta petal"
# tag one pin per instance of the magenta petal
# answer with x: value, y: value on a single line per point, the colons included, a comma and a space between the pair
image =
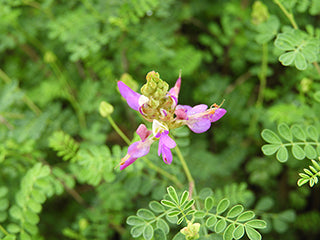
x: 176, y: 89
x: 181, y: 114
x: 143, y: 132
x: 217, y: 114
x: 167, y: 141
x: 199, y: 125
x: 197, y: 109
x: 184, y: 107
x: 139, y: 149
x: 131, y: 96
x: 128, y: 162
x: 166, y: 155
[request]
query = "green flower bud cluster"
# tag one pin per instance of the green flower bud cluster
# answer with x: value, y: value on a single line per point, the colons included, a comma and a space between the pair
x: 155, y: 87
x: 156, y: 90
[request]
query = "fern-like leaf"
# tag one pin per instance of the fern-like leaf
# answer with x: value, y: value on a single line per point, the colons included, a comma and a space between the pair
x: 304, y: 142
x: 95, y: 164
x: 65, y: 145
x: 231, y: 221
x: 35, y: 188
x: 175, y: 210
x: 311, y: 175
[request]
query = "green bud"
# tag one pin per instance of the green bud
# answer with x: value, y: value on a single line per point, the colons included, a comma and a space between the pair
x: 155, y: 87
x: 153, y: 76
x: 305, y: 84
x: 191, y: 231
x: 105, y: 109
x: 49, y: 57
x: 83, y: 224
x: 154, y: 103
x: 259, y: 13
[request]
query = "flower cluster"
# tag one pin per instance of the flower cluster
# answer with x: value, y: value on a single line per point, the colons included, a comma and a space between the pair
x: 158, y: 105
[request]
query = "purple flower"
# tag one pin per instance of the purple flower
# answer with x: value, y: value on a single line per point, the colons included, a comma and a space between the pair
x: 142, y: 148
x: 137, y: 149
x: 134, y: 99
x: 164, y: 112
x: 199, y: 117
x: 165, y: 142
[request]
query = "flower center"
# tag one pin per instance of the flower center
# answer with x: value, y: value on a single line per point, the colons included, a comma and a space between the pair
x: 158, y: 128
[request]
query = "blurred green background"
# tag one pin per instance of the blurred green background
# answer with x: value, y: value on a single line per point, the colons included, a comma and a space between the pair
x: 59, y: 59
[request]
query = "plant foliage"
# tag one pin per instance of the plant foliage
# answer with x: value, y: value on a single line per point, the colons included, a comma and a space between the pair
x: 59, y: 158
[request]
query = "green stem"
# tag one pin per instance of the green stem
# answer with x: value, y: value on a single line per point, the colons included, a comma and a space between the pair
x: 184, y: 165
x: 192, y: 188
x: 173, y: 178
x: 25, y: 98
x: 74, y: 103
x: 288, y: 15
x: 263, y: 74
x: 118, y: 130
x: 300, y: 143
x: 3, y: 230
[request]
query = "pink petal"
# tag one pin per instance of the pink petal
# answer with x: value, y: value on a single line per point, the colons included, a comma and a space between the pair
x: 139, y: 149
x: 176, y: 89
x: 166, y: 155
x: 181, y: 114
x: 167, y: 141
x: 127, y: 163
x: 197, y: 109
x: 184, y: 107
x: 217, y: 114
x: 199, y: 125
x: 131, y: 96
x: 143, y: 132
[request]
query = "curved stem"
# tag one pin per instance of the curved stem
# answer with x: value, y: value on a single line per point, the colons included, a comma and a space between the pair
x: 118, y: 130
x: 288, y: 15
x: 173, y: 178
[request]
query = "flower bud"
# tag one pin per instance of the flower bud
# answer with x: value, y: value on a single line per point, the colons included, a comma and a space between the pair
x: 259, y: 13
x: 191, y: 231
x: 105, y: 109
x: 155, y: 87
x: 83, y: 224
x: 305, y: 85
x: 49, y: 57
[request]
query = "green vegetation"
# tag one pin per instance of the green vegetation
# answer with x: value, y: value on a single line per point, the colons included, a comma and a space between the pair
x: 64, y: 126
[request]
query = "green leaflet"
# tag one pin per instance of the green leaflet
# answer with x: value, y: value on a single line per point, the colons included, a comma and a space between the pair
x: 301, y: 49
x: 302, y: 140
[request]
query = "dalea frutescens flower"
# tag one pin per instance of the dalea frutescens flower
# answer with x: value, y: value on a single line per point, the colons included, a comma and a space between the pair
x: 159, y: 105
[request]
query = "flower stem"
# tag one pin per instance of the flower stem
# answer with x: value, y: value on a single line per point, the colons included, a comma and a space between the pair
x: 288, y: 15
x: 192, y: 188
x: 173, y: 178
x: 118, y: 130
